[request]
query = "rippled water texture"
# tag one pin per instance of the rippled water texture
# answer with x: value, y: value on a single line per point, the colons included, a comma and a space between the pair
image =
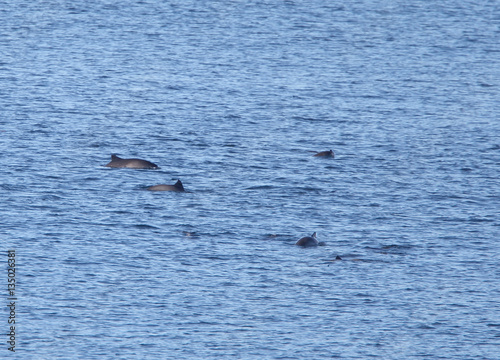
x: 234, y: 98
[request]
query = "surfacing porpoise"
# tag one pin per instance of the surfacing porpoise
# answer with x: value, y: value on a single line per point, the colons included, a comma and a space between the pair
x: 162, y: 187
x: 309, y: 241
x: 118, y: 162
x: 326, y: 154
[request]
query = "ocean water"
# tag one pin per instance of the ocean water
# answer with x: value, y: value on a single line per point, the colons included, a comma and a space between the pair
x: 234, y: 98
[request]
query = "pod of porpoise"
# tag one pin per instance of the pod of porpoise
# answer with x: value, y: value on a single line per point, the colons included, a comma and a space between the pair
x: 117, y: 162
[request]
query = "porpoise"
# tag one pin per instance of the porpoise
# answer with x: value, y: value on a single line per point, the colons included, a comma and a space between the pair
x: 325, y: 154
x: 118, y: 162
x: 309, y: 241
x: 162, y: 187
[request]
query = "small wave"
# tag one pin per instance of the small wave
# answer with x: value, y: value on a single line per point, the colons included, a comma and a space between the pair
x: 145, y: 226
x: 260, y: 187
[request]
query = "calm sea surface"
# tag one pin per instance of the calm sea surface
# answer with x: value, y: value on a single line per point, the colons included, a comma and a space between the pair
x: 233, y: 98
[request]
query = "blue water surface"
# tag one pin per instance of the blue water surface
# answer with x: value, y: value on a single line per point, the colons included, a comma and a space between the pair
x: 234, y: 98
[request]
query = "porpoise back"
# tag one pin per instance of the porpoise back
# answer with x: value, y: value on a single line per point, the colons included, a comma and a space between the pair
x: 326, y: 154
x: 308, y: 241
x: 163, y: 187
x: 118, y: 162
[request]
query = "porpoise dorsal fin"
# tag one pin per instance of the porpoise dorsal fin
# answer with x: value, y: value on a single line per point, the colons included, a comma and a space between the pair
x: 314, y: 235
x: 178, y: 185
x: 114, y: 157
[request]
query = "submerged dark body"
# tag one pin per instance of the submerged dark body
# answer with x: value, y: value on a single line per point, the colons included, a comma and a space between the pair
x: 326, y: 154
